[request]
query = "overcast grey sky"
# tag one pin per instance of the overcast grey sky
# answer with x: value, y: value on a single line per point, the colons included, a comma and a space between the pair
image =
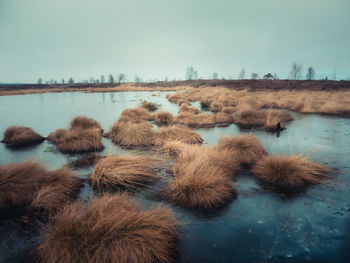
x: 160, y: 38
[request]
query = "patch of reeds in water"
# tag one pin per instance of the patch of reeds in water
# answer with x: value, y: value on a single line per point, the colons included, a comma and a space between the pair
x: 19, y: 137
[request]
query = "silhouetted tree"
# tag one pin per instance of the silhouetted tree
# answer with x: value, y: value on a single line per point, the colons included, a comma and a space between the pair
x: 63, y: 81
x: 40, y: 81
x: 310, y: 74
x: 110, y: 79
x: 242, y: 74
x: 120, y: 78
x: 137, y: 78
x: 102, y: 79
x: 191, y: 74
x: 70, y: 81
x: 215, y: 75
x: 268, y: 76
x: 254, y: 75
x: 295, y: 74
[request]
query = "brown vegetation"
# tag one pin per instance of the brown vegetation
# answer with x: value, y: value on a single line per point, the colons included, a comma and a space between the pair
x: 127, y: 172
x: 289, y: 172
x: 195, y: 120
x: 273, y: 117
x: 247, y: 148
x: 20, y: 184
x: 18, y: 136
x: 186, y: 107
x: 177, y: 133
x: 162, y: 118
x: 111, y: 229
x: 82, y: 122
x: 248, y: 118
x: 138, y: 114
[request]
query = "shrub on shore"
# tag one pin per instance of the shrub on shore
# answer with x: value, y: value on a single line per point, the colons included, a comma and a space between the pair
x: 111, y: 229
x: 19, y: 136
x: 177, y: 133
x: 20, y: 184
x: 162, y: 118
x: 289, y: 172
x: 126, y: 172
x: 247, y: 147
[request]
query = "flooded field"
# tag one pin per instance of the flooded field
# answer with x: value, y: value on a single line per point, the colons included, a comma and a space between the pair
x: 260, y: 225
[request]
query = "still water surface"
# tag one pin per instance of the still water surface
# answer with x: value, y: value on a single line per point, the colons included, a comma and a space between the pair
x: 259, y: 226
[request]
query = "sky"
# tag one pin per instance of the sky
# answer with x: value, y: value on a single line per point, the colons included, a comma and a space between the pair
x: 158, y: 39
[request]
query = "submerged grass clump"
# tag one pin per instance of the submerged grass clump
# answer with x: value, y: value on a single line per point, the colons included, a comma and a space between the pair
x: 151, y: 106
x: 126, y: 172
x: 19, y: 137
x: 22, y: 183
x: 246, y: 147
x: 111, y: 229
x: 289, y: 172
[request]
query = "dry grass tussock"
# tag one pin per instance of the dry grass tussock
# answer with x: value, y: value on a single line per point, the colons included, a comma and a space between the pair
x: 84, y: 135
x: 162, y: 118
x: 18, y: 136
x: 195, y: 120
x: 177, y: 133
x: 137, y: 114
x: 186, y: 107
x: 222, y: 117
x: 248, y: 118
x: 131, y: 134
x: 111, y: 229
x: 24, y: 184
x: 332, y: 102
x: 246, y: 147
x: 273, y: 117
x: 289, y: 172
x: 126, y: 172
x: 202, y: 177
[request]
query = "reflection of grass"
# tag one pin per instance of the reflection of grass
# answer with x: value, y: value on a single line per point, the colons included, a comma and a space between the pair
x: 111, y: 229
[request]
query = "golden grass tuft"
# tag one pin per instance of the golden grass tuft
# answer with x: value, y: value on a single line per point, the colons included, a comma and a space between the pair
x: 127, y: 172
x: 19, y: 136
x: 162, y: 118
x: 228, y: 110
x: 248, y: 118
x: 20, y: 184
x: 130, y: 134
x: 289, y: 172
x: 195, y: 120
x: 186, y: 107
x: 56, y: 136
x: 177, y: 133
x: 137, y: 114
x: 273, y: 117
x: 222, y: 117
x: 216, y: 106
x: 82, y: 122
x: 111, y: 229
x: 246, y: 147
x: 174, y: 147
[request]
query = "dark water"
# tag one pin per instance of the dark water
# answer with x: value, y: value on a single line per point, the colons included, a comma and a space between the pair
x: 259, y: 226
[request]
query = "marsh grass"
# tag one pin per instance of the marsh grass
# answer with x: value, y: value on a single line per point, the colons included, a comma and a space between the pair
x: 290, y: 172
x: 20, y: 137
x: 195, y: 120
x: 177, y: 133
x: 150, y: 106
x: 125, y: 172
x: 162, y: 118
x: 273, y: 117
x: 111, y: 229
x: 186, y: 107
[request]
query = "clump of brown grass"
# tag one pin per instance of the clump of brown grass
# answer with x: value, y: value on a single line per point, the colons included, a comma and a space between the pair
x: 131, y: 134
x: 151, y: 106
x: 177, y: 133
x: 138, y: 114
x: 18, y: 137
x: 186, y: 107
x: 222, y: 117
x: 82, y: 122
x: 162, y: 118
x: 174, y: 147
x: 273, y: 117
x: 111, y: 229
x: 248, y: 118
x: 228, y: 110
x: 216, y: 106
x: 246, y: 147
x: 289, y: 172
x: 20, y: 183
x: 56, y: 136
x: 195, y: 120
x: 127, y: 172
x: 200, y: 184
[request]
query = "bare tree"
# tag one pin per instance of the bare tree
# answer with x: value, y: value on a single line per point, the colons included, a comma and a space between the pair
x: 242, y: 74
x: 102, y: 79
x: 40, y: 81
x: 110, y: 79
x: 310, y: 74
x: 137, y: 78
x: 120, y: 78
x: 268, y: 76
x: 254, y: 75
x: 191, y: 74
x: 215, y: 75
x: 70, y: 81
x: 63, y: 81
x: 296, y: 71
